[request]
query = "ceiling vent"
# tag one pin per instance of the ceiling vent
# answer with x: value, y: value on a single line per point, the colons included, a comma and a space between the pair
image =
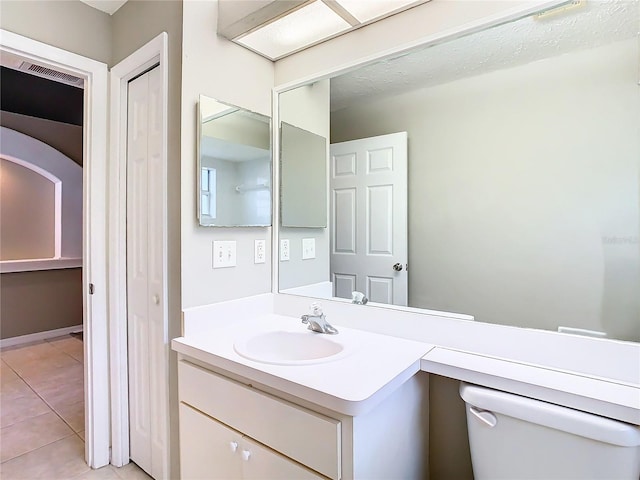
x: 50, y: 74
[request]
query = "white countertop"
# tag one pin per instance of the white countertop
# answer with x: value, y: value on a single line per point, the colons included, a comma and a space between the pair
x: 374, y: 366
x: 587, y: 374
x: 609, y: 398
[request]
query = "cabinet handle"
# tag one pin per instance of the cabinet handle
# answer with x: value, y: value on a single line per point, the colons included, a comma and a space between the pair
x: 245, y: 455
x: 233, y: 446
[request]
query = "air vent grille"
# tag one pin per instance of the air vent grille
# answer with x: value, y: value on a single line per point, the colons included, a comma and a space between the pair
x: 50, y: 74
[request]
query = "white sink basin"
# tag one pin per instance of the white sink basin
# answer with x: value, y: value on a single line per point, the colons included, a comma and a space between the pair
x: 291, y: 348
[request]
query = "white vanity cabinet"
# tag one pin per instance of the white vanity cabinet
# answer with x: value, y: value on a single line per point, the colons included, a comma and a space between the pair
x: 213, y: 451
x: 231, y: 430
x: 280, y: 439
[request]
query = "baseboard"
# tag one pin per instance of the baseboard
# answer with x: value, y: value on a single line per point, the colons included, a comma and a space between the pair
x: 39, y: 336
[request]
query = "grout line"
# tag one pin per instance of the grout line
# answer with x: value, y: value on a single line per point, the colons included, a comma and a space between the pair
x: 43, y: 399
x: 36, y: 449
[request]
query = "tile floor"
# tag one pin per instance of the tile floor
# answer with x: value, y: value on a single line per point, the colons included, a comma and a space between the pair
x: 42, y: 414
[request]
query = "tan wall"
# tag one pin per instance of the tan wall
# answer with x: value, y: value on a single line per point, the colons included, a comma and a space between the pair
x: 449, y: 455
x: 27, y: 213
x: 42, y: 300
x: 67, y: 24
x: 64, y: 137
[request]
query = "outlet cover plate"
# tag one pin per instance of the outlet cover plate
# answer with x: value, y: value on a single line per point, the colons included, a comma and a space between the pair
x: 260, y: 251
x: 285, y: 251
x: 308, y: 248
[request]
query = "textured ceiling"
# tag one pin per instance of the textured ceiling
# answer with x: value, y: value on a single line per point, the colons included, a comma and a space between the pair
x: 527, y: 40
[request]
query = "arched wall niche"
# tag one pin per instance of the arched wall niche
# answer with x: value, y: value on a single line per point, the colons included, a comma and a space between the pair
x: 66, y: 176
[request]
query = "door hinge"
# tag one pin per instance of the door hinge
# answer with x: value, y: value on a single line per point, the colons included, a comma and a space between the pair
x: 91, y: 289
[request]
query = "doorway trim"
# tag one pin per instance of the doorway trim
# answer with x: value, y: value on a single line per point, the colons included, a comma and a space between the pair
x: 153, y: 53
x: 94, y: 261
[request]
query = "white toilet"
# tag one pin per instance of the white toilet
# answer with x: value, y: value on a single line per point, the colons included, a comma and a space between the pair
x: 517, y: 438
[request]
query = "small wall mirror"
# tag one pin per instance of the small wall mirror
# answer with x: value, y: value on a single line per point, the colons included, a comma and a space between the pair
x: 234, y: 166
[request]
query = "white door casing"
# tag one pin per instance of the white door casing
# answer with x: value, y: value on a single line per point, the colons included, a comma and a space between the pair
x: 152, y: 54
x: 94, y: 263
x: 368, y: 218
x: 144, y: 270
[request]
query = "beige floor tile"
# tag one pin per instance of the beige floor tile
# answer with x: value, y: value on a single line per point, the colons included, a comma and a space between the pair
x: 22, y: 437
x: 58, y: 365
x: 42, y: 368
x: 69, y: 345
x: 18, y: 402
x: 131, y: 471
x: 22, y: 353
x: 60, y: 460
x: 81, y: 434
x: 59, y: 395
x: 6, y: 373
x: 65, y: 374
x: 73, y: 415
x: 104, y: 473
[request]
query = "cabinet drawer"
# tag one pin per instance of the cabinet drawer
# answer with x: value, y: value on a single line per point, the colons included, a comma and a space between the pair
x: 307, y: 437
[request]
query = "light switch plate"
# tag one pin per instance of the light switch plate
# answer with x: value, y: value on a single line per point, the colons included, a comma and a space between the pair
x: 260, y: 251
x: 284, y: 250
x: 308, y: 248
x: 224, y: 253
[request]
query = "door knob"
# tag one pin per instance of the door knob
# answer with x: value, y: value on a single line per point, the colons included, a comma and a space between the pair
x: 397, y: 267
x: 156, y: 299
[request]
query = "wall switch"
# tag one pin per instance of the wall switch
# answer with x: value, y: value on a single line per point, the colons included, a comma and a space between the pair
x: 260, y: 251
x: 284, y: 250
x: 308, y: 248
x: 224, y: 253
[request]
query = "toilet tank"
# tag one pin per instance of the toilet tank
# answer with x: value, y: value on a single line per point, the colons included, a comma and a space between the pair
x: 517, y: 438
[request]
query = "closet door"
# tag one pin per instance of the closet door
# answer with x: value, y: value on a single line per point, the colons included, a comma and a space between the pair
x: 145, y: 305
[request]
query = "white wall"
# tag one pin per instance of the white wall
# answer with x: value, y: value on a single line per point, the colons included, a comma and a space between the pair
x: 224, y: 71
x: 519, y: 180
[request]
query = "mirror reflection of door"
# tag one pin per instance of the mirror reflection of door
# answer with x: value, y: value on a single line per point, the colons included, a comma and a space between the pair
x: 368, y: 216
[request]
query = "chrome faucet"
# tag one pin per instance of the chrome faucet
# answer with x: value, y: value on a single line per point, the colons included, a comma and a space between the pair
x: 317, y: 321
x: 358, y: 298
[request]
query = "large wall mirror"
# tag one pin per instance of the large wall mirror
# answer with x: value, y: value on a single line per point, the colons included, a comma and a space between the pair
x: 521, y: 184
x: 234, y: 166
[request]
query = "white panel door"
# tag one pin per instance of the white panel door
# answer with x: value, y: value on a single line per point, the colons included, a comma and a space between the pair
x: 145, y: 305
x: 368, y: 184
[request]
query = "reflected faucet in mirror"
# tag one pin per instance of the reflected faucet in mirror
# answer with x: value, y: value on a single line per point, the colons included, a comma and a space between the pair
x: 359, y: 298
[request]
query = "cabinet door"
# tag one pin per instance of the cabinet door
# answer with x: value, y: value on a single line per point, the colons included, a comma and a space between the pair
x: 208, y: 449
x: 262, y: 463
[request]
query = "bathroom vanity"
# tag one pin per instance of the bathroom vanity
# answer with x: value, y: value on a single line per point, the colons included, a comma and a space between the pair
x: 363, y: 406
x: 356, y: 413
